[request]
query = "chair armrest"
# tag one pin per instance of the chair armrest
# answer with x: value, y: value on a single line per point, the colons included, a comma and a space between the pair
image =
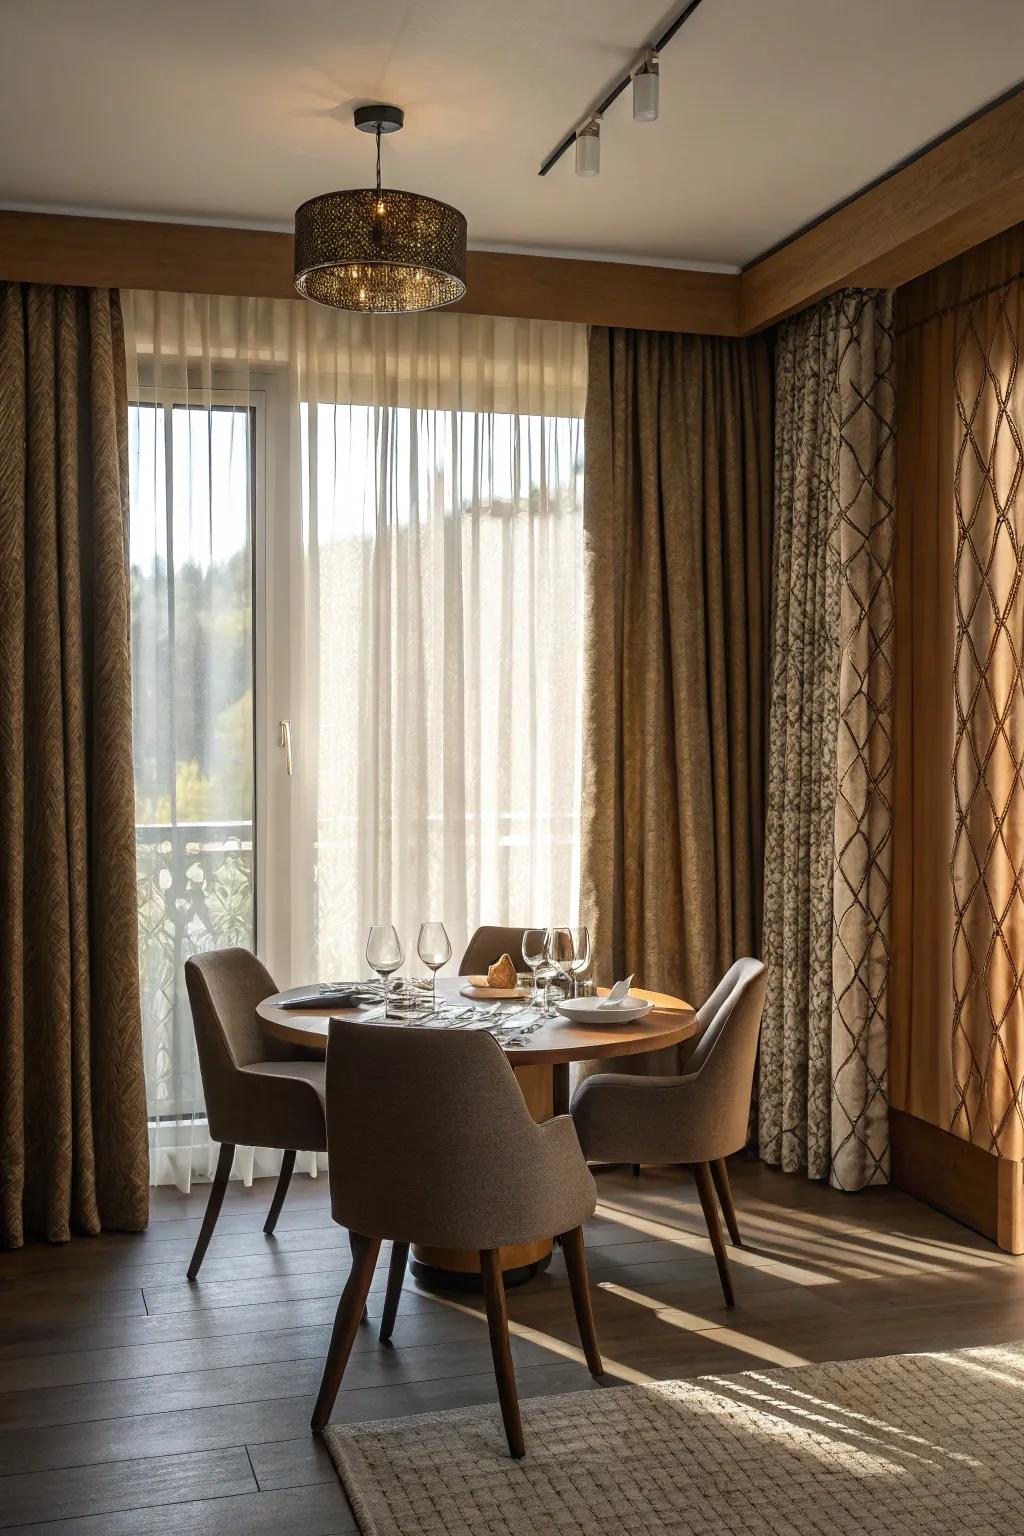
x: 624, y: 1119
x: 566, y: 1180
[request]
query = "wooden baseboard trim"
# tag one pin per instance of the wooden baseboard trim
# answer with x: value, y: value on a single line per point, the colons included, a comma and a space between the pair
x: 984, y: 1191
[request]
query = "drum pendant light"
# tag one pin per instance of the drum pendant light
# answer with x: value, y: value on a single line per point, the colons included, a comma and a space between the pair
x: 376, y: 250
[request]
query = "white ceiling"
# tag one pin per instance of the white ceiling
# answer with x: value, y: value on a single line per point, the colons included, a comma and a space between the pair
x: 234, y: 111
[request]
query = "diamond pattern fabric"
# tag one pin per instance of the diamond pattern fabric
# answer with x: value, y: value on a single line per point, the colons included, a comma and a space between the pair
x: 987, y: 862
x: 828, y: 861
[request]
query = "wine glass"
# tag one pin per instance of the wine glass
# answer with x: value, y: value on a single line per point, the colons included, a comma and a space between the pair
x: 384, y: 955
x: 581, y: 956
x: 434, y: 948
x: 533, y: 955
x: 561, y: 953
x: 557, y: 944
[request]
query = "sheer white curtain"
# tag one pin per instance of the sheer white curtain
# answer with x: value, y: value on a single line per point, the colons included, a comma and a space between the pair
x: 414, y: 491
x: 442, y: 469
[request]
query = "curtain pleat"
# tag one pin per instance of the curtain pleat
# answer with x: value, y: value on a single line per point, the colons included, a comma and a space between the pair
x: 72, y: 1106
x: 828, y: 857
x: 959, y: 1058
x: 677, y: 539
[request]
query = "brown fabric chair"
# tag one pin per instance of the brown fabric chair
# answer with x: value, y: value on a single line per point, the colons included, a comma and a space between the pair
x: 256, y: 1094
x: 430, y: 1141
x: 488, y: 945
x: 699, y: 1118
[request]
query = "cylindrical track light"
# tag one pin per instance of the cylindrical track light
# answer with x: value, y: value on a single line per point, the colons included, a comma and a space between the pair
x: 646, y: 89
x: 588, y: 148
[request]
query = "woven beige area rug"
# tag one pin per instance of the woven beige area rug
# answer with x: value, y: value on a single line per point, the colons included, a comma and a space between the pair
x: 923, y: 1444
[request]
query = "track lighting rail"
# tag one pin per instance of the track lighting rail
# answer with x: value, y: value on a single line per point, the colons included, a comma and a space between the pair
x: 597, y: 112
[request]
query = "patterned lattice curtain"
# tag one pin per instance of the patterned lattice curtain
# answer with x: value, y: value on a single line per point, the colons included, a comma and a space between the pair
x: 958, y: 984
x: 828, y: 856
x: 987, y: 861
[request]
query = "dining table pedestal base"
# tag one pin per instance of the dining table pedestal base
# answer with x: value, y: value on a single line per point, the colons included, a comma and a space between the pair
x: 458, y: 1269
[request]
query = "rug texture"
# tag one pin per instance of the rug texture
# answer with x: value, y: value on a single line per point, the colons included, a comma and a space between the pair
x: 927, y: 1444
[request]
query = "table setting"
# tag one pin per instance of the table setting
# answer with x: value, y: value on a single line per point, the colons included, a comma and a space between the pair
x: 508, y: 1005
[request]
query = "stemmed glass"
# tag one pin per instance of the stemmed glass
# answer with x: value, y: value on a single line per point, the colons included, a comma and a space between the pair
x: 570, y: 952
x: 533, y: 955
x: 556, y: 944
x: 580, y: 961
x: 434, y: 948
x: 384, y: 955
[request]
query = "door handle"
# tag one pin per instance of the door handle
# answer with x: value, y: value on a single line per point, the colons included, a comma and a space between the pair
x: 285, y: 741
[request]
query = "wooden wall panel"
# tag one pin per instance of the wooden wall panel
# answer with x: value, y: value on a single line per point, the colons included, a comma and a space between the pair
x: 197, y: 258
x: 967, y: 1183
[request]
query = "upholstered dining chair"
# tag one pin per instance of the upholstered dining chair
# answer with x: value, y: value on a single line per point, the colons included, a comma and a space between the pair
x: 488, y: 945
x: 257, y: 1094
x: 699, y: 1118
x: 430, y: 1141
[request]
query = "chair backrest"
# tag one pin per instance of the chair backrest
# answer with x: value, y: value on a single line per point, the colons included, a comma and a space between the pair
x: 726, y: 1054
x: 429, y: 1139
x: 488, y: 945
x: 224, y: 987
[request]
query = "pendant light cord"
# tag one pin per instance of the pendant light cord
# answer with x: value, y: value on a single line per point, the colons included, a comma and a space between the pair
x: 378, y: 160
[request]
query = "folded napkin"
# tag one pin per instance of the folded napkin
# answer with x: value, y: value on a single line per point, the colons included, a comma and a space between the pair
x: 618, y: 994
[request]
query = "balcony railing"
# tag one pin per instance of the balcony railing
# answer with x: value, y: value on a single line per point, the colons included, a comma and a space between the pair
x: 195, y: 893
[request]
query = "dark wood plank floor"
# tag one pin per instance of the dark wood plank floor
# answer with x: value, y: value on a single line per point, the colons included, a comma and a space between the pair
x: 133, y: 1402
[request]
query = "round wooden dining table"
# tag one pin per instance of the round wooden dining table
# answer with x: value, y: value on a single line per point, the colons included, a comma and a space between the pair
x: 541, y: 1065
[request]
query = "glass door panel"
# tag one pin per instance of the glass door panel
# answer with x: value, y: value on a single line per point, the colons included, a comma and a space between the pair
x: 191, y: 546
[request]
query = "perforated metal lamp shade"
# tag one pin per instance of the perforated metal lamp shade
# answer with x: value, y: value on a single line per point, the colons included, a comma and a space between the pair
x: 382, y: 252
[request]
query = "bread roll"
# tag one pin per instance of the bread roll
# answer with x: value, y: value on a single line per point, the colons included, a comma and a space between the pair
x: 502, y: 973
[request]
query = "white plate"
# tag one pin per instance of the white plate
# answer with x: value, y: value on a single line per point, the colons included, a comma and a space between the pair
x: 585, y: 1010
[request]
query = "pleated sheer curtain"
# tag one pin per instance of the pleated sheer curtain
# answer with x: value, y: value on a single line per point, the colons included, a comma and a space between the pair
x: 381, y: 521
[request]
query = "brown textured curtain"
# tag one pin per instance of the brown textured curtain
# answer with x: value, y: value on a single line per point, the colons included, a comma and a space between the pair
x: 677, y: 531
x: 73, y: 1148
x: 958, y: 979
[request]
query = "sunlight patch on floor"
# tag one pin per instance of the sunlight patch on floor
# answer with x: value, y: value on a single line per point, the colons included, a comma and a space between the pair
x: 850, y: 1258
x: 552, y: 1345
x: 692, y: 1322
x: 795, y: 1394
x: 741, y: 1256
x: 954, y: 1255
x: 779, y: 1399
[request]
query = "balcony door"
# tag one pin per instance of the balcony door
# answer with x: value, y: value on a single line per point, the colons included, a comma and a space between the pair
x: 194, y: 510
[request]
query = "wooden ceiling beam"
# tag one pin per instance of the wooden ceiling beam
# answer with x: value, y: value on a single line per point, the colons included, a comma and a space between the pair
x: 963, y: 190
x: 201, y: 258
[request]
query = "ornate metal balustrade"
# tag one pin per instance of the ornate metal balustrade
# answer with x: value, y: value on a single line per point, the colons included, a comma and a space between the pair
x: 195, y: 890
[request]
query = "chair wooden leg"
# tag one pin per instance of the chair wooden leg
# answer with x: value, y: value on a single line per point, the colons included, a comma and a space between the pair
x: 720, y: 1174
x: 396, y: 1276
x: 636, y: 1170
x: 353, y: 1243
x: 579, y: 1284
x: 284, y: 1178
x: 501, y: 1351
x: 213, y: 1205
x: 706, y: 1190
x: 346, y: 1325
